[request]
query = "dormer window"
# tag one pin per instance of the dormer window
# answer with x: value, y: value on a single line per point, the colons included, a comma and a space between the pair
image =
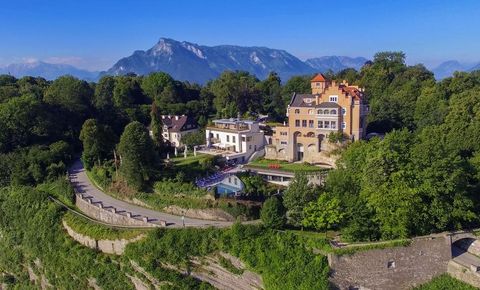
x: 333, y: 98
x: 310, y: 112
x: 320, y: 112
x: 297, y: 111
x: 317, y: 84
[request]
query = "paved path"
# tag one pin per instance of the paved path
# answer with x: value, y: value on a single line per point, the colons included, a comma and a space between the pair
x: 82, y: 184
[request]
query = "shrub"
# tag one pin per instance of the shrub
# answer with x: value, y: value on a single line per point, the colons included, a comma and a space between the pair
x: 273, y: 213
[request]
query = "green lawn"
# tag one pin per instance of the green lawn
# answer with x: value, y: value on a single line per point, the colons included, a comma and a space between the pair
x: 181, y: 161
x: 286, y: 166
x: 445, y: 282
x: 191, y: 167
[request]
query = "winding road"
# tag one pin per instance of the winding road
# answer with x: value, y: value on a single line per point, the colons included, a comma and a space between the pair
x: 82, y: 184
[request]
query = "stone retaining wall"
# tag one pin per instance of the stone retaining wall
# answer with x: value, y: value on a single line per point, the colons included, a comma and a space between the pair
x: 392, y: 268
x: 469, y: 276
x: 110, y: 215
x: 106, y: 246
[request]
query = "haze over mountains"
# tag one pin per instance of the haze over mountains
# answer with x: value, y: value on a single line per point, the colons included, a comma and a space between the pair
x: 48, y: 71
x: 447, y: 68
x: 199, y: 63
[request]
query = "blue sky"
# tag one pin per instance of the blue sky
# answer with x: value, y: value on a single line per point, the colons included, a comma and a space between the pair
x: 94, y: 34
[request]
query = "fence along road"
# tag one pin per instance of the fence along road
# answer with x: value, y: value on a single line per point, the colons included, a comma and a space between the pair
x: 82, y: 185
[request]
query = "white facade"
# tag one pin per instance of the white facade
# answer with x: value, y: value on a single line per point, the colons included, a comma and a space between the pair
x: 235, y: 139
x: 175, y: 138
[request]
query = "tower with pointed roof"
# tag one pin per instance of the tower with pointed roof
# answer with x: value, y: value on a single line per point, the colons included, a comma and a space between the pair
x: 331, y: 108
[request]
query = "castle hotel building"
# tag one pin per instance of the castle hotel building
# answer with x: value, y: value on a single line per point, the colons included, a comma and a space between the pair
x: 331, y: 107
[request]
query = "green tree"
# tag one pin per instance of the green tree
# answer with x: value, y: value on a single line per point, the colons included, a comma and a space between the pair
x: 273, y: 213
x: 194, y: 139
x: 71, y: 94
x: 156, y: 125
x: 235, y: 93
x: 97, y: 142
x: 296, y: 84
x: 103, y: 97
x: 323, y: 213
x: 154, y: 84
x: 296, y: 197
x: 273, y: 103
x: 127, y: 92
x: 137, y: 156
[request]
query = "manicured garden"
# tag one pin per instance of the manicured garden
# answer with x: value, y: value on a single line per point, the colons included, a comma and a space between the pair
x: 286, y: 166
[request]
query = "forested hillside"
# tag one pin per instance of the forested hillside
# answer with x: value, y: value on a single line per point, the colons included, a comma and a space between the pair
x: 422, y: 177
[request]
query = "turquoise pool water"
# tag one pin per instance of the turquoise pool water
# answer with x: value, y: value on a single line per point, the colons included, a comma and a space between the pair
x: 226, y: 190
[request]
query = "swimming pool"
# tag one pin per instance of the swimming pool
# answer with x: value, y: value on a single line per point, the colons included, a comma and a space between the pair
x: 226, y: 190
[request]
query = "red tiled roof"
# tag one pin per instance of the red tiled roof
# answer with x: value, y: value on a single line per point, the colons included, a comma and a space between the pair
x: 354, y: 92
x: 318, y: 78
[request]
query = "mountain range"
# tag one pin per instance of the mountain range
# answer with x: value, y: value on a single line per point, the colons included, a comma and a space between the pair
x: 200, y: 63
x: 48, y: 71
x: 447, y: 68
x: 188, y: 61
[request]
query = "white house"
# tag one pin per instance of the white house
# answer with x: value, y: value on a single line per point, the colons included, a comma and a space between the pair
x: 235, y: 139
x: 174, y: 127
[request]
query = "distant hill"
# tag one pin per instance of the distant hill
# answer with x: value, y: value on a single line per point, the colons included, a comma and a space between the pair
x: 199, y: 63
x: 447, y: 68
x: 476, y: 67
x: 336, y: 63
x: 48, y: 71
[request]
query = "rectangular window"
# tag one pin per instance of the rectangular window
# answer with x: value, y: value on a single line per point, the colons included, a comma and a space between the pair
x: 217, y: 137
x: 297, y: 123
x: 304, y: 123
x: 234, y: 139
x: 243, y: 138
x: 310, y: 123
x: 250, y: 147
x: 344, y: 125
x: 228, y: 138
x: 333, y: 98
x: 249, y: 139
x: 320, y: 124
x: 283, y: 133
x: 283, y: 142
x: 333, y: 124
x: 327, y: 124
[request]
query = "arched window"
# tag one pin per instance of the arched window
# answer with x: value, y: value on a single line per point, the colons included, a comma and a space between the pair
x: 310, y: 112
x: 320, y: 112
x: 333, y: 112
x: 326, y: 112
x: 297, y: 111
x: 310, y: 134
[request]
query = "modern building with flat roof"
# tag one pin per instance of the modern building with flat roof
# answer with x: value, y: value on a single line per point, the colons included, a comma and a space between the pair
x: 235, y: 139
